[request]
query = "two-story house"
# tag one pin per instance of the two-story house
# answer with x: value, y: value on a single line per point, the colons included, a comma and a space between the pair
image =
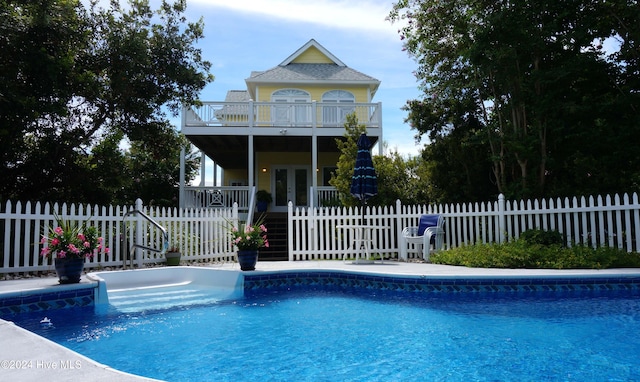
x: 279, y: 134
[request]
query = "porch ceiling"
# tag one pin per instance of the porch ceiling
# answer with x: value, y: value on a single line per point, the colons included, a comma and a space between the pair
x: 231, y: 151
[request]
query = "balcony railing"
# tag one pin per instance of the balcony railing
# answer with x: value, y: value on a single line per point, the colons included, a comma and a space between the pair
x: 221, y: 197
x: 217, y: 197
x: 270, y: 114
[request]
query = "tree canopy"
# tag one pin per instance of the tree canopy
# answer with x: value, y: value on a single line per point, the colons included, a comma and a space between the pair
x: 401, y: 179
x: 76, y: 82
x: 539, y: 98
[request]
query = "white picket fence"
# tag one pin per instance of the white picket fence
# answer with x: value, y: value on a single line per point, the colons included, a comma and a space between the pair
x: 201, y: 234
x: 314, y: 233
x: 594, y: 221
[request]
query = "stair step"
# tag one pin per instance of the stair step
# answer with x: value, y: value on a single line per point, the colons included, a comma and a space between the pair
x: 137, y: 300
x: 277, y: 234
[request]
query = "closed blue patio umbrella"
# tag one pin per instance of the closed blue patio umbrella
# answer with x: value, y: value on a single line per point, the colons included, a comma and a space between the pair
x: 364, y: 182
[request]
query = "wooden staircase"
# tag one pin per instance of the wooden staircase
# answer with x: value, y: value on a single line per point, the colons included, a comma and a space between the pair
x: 276, y: 223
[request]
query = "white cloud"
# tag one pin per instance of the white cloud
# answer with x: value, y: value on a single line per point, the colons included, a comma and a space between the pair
x: 362, y: 15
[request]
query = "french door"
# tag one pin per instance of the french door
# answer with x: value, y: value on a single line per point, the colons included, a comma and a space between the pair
x: 290, y: 183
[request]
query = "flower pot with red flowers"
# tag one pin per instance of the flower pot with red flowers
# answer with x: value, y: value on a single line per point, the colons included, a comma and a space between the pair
x: 248, y: 239
x: 70, y: 244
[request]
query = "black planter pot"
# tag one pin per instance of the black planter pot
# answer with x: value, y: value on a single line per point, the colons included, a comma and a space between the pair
x: 69, y: 269
x: 173, y: 258
x: 262, y: 206
x: 248, y: 259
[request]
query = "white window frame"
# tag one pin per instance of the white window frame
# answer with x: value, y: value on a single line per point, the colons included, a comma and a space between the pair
x: 291, y: 114
x: 337, y: 115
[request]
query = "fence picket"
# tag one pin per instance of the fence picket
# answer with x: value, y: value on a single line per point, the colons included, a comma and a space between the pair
x: 202, y: 233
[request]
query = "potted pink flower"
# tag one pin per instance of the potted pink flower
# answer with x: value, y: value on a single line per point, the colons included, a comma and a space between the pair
x: 249, y: 239
x: 69, y: 245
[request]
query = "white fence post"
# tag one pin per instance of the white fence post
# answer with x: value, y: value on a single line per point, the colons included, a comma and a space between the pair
x: 139, y: 232
x: 398, y: 223
x: 290, y: 230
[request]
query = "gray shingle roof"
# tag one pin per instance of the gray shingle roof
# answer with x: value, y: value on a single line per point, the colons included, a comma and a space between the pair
x: 237, y: 96
x: 311, y: 72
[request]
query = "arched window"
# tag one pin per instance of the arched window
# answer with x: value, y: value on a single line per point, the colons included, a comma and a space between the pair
x: 291, y: 113
x: 338, y: 96
x: 290, y: 94
x: 336, y: 115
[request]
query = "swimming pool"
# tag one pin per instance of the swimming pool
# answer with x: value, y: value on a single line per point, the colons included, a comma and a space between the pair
x: 317, y: 326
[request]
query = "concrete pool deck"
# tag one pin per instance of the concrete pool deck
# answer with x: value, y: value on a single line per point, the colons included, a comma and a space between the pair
x: 25, y: 356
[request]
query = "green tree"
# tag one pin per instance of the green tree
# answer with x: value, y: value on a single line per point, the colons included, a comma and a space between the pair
x: 341, y: 178
x: 154, y: 166
x: 73, y: 76
x: 459, y: 167
x: 109, y: 165
x: 398, y: 178
x: 38, y: 77
x: 530, y: 81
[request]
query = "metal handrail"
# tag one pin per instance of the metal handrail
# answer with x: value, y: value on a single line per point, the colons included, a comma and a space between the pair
x: 165, y: 238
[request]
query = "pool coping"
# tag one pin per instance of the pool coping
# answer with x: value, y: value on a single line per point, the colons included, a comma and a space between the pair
x: 35, y: 358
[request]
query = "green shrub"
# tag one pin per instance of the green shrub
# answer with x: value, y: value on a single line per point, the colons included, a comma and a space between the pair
x: 538, y: 236
x: 522, y: 254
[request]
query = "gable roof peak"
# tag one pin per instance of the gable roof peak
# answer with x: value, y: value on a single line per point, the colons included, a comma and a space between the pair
x: 305, y: 47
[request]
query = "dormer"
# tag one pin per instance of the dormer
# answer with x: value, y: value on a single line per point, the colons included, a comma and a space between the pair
x: 311, y: 66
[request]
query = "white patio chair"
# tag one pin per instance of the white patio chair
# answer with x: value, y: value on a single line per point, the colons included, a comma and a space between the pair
x: 429, y: 233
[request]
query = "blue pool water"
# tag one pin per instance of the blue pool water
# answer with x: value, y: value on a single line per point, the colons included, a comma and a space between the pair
x: 337, y: 336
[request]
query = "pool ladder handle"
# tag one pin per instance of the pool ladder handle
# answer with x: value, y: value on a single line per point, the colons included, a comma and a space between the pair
x: 165, y: 238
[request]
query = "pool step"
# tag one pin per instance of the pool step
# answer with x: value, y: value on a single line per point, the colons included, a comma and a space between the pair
x: 137, y: 300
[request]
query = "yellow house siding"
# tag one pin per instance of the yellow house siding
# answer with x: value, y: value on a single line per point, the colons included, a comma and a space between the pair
x: 268, y: 160
x: 328, y: 159
x: 312, y: 56
x: 264, y: 92
x: 263, y: 181
x: 235, y: 175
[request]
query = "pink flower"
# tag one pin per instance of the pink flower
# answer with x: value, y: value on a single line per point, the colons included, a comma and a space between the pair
x: 86, y: 244
x: 73, y: 249
x: 62, y: 254
x: 263, y: 228
x: 55, y: 241
x: 81, y: 237
x: 43, y: 240
x: 58, y: 230
x: 45, y: 251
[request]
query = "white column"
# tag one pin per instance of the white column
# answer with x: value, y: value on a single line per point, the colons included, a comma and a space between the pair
x: 215, y: 174
x: 380, y: 151
x: 314, y: 155
x: 251, y: 169
x: 203, y: 169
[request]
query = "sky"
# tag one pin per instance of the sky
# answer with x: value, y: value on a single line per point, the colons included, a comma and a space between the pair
x: 242, y: 36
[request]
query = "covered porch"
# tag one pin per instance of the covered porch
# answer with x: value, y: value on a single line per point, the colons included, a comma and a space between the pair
x: 287, y: 149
